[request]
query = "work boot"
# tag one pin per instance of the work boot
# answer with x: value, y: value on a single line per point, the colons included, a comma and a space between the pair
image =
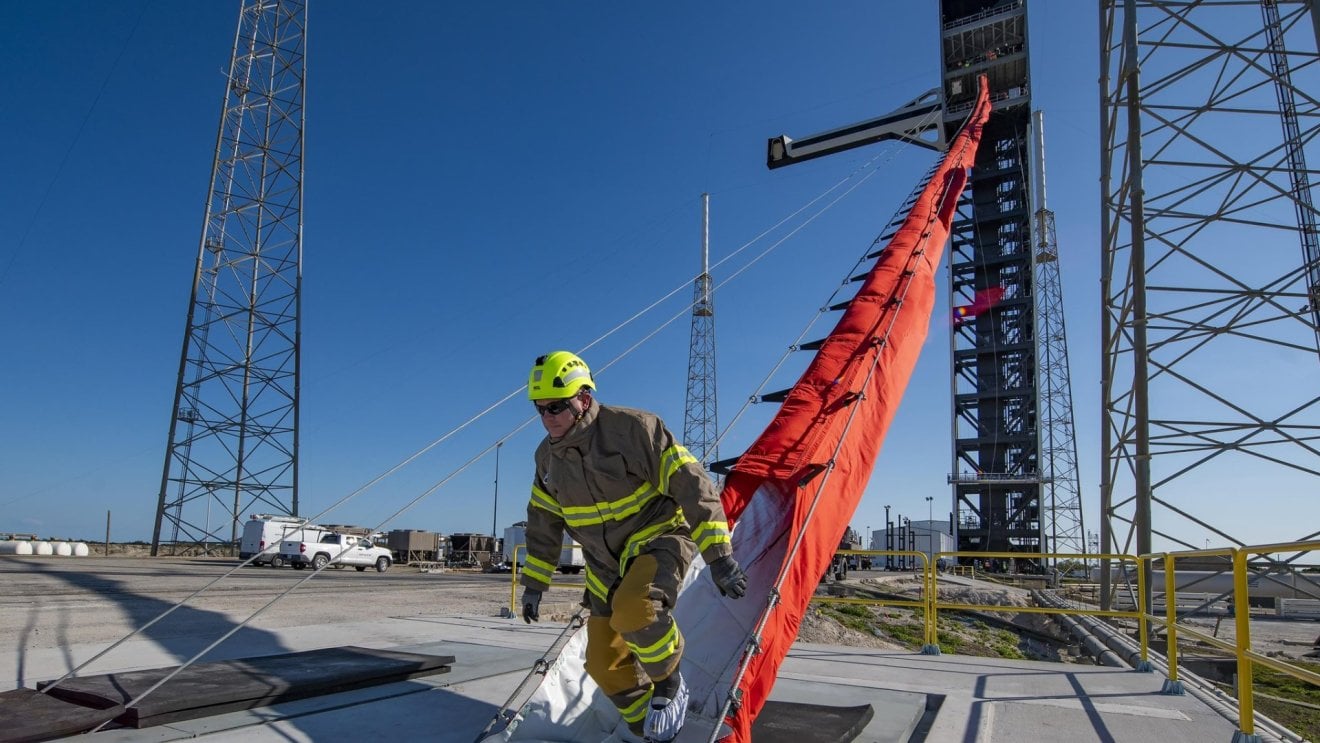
x: 668, y: 712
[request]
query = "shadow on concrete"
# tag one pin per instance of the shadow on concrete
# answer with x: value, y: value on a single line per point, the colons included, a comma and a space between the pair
x: 182, y: 634
x: 410, y: 711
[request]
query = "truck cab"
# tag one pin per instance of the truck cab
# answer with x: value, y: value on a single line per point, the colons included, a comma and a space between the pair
x: 338, y: 550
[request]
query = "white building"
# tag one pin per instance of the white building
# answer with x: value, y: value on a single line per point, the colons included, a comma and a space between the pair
x: 928, y: 537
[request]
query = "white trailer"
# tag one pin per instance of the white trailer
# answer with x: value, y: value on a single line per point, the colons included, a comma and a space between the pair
x: 515, y: 538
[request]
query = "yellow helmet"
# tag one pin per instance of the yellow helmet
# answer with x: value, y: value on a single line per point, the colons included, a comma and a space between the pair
x: 558, y: 376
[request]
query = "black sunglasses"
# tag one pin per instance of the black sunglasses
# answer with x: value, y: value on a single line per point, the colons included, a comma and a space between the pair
x: 554, y: 408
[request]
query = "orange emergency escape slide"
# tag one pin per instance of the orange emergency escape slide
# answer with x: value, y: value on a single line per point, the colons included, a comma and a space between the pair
x: 818, y: 453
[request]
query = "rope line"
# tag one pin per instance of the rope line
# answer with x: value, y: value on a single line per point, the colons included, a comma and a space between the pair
x: 465, y: 424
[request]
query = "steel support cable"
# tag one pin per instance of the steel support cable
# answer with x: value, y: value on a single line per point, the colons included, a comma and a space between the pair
x: 413, y: 457
x: 795, y: 346
x: 336, y: 504
x: 686, y: 310
x: 190, y: 661
x: 688, y: 282
x: 473, y: 460
x: 754, y: 642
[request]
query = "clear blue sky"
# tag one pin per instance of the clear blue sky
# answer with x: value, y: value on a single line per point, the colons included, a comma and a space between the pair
x: 485, y: 182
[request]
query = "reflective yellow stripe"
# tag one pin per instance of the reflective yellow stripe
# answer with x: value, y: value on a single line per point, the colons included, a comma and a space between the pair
x: 618, y: 510
x: 545, y: 501
x: 597, y: 588
x: 660, y: 649
x: 674, y: 457
x: 639, y: 540
x: 711, y: 540
x: 539, y: 569
x: 636, y: 712
x: 710, y: 532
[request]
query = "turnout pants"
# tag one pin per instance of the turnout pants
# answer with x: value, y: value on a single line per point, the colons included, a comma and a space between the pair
x: 633, y: 641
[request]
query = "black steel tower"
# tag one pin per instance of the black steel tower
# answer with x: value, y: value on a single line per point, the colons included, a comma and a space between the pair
x: 233, y: 434
x: 996, y: 474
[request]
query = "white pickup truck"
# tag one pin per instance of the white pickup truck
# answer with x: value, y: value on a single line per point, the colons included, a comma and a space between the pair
x: 336, y: 549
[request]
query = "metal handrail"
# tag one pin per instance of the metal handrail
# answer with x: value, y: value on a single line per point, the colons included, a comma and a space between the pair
x: 930, y: 603
x: 1141, y: 591
x: 1246, y: 658
x: 1241, y: 645
x: 927, y: 589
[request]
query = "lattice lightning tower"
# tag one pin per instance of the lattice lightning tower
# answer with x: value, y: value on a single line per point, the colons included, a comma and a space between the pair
x: 700, y: 422
x: 1064, y: 524
x: 233, y: 435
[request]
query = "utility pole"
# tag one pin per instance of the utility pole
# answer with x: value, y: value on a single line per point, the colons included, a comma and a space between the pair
x: 495, y: 509
x: 233, y: 432
x: 889, y: 540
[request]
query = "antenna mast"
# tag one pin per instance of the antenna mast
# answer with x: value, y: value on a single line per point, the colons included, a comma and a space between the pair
x: 1064, y: 530
x: 701, y: 422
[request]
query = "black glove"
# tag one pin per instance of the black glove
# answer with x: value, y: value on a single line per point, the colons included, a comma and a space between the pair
x: 531, y: 603
x: 728, y: 577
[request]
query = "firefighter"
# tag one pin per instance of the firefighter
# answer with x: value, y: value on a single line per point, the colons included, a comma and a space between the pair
x: 641, y: 507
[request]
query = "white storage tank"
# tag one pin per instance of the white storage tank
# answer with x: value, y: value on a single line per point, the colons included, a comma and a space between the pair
x: 42, y: 548
x: 80, y: 549
x: 15, y: 548
x: 63, y: 549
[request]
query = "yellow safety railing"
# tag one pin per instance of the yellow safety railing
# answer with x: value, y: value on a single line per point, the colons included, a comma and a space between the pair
x: 936, y: 604
x: 1241, y: 645
x: 930, y: 603
x: 514, y: 570
x: 927, y: 590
